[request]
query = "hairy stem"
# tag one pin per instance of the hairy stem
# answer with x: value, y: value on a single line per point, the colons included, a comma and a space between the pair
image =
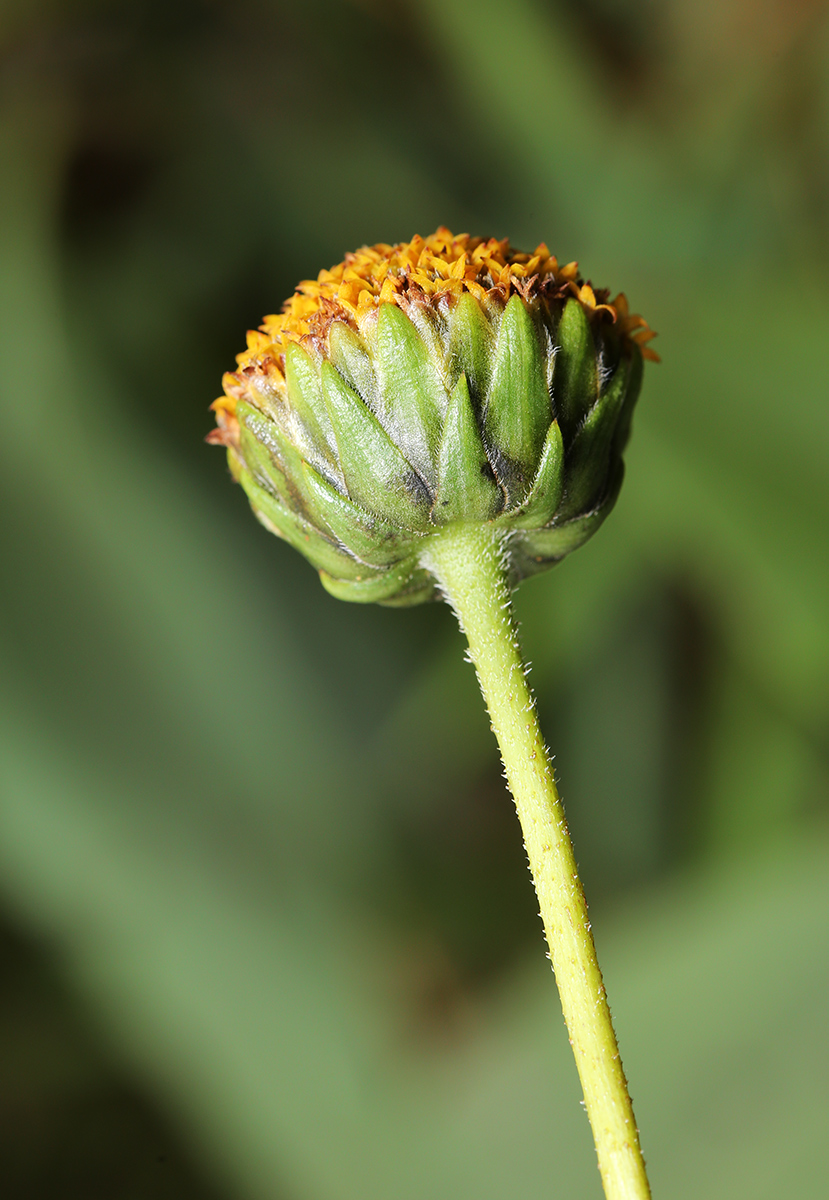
x: 467, y: 560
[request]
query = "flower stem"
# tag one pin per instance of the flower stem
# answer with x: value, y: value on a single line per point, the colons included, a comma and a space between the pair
x: 468, y: 562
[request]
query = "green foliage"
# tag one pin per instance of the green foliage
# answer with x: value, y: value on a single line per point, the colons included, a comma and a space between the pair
x: 263, y: 835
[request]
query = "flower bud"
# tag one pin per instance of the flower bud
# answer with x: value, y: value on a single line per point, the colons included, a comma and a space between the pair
x: 446, y: 379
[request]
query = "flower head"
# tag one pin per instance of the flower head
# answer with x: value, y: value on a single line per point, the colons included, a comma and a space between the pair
x: 440, y: 380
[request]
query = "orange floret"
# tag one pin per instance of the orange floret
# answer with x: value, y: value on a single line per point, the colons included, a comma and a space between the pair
x: 439, y: 266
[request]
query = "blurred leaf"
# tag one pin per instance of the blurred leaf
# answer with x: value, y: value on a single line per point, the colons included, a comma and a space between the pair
x: 277, y: 1045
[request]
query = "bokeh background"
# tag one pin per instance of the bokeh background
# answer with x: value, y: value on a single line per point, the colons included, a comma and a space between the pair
x: 266, y: 930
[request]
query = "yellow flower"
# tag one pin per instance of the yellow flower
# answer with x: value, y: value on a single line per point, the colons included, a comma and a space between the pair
x: 445, y: 381
x: 436, y: 270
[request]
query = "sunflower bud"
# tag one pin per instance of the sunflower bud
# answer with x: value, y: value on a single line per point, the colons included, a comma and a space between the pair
x: 447, y: 379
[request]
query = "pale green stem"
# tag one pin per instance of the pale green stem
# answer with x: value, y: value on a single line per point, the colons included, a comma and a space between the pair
x: 467, y: 560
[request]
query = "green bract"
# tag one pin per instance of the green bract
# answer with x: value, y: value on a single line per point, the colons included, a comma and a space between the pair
x: 421, y: 411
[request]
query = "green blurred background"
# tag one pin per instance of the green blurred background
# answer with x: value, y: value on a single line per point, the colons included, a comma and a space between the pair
x: 266, y: 928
